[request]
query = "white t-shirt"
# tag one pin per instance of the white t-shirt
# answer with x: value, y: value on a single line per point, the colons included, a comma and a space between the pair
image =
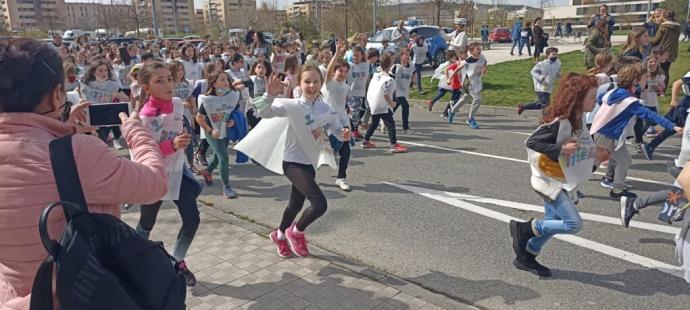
x: 649, y: 95
x: 472, y: 69
x: 218, y: 110
x: 99, y: 91
x: 357, y: 79
x: 335, y: 95
x: 381, y: 84
x: 419, y: 53
x: 403, y: 77
x: 192, y: 70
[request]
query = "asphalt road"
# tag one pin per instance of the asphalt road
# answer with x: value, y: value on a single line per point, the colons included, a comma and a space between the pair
x: 460, y: 245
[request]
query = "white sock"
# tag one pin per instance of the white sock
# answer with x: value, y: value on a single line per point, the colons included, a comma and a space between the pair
x: 281, y: 235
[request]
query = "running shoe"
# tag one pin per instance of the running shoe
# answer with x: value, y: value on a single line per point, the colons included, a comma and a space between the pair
x: 368, y: 145
x: 451, y: 115
x: 208, y: 178
x: 637, y: 146
x: 521, y: 232
x: 619, y: 194
x: 429, y: 105
x: 520, y: 109
x: 397, y: 148
x: 343, y: 184
x: 201, y: 159
x: 580, y: 195
x: 228, y: 192
x: 282, y: 245
x: 356, y: 135
x: 298, y: 241
x: 444, y: 116
x: 606, y: 183
x: 473, y: 123
x: 529, y: 263
x: 189, y: 278
x: 628, y: 210
x: 651, y: 132
x: 409, y: 132
x: 119, y: 143
x: 647, y: 151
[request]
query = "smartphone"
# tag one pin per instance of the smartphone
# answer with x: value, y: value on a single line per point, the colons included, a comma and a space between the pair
x: 281, y: 76
x: 107, y: 114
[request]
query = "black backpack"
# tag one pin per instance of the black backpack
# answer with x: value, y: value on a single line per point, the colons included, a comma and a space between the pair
x: 101, y: 262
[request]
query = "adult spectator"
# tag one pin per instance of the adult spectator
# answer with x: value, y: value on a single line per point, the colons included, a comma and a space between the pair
x: 686, y: 32
x: 515, y: 34
x: 249, y: 35
x: 596, y: 43
x: 653, y: 22
x: 458, y: 38
x: 260, y: 46
x: 400, y: 37
x: 609, y: 20
x: 33, y: 112
x: 539, y: 38
x: 559, y: 30
x: 667, y: 39
x: 568, y: 29
x: 526, y: 36
x: 331, y: 43
x: 56, y: 43
x: 485, y: 33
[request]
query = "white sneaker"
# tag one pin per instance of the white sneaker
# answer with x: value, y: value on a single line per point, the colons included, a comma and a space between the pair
x: 117, y: 143
x: 342, y: 184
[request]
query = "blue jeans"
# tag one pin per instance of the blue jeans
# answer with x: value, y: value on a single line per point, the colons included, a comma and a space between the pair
x: 542, y: 102
x: 441, y: 92
x: 515, y: 43
x: 560, y: 217
x: 418, y: 72
x: 676, y: 115
x: 525, y: 42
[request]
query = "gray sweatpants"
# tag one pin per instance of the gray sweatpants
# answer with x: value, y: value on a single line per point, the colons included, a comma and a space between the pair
x: 619, y: 163
x: 474, y: 95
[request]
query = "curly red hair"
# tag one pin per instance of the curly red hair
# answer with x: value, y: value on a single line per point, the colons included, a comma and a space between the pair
x: 567, y: 104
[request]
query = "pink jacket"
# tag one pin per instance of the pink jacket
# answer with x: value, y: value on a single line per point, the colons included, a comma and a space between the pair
x: 27, y: 186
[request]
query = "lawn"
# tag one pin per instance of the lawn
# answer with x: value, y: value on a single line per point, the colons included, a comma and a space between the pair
x: 510, y: 83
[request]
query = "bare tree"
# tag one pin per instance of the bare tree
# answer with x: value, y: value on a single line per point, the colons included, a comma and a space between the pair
x: 438, y: 6
x: 466, y: 11
x: 138, y: 14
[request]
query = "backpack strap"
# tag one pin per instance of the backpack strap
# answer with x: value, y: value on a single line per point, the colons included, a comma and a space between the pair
x: 42, y: 289
x: 66, y: 174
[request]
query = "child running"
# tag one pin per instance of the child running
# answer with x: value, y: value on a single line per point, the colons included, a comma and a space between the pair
x: 380, y: 97
x: 335, y: 95
x: 473, y: 68
x: 562, y: 135
x: 357, y: 79
x: 403, y: 74
x: 215, y: 108
x: 304, y: 145
x: 184, y: 91
x: 677, y: 114
x: 544, y: 75
x: 162, y: 115
x: 440, y: 75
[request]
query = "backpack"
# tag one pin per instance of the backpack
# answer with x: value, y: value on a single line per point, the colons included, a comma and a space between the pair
x: 101, y: 262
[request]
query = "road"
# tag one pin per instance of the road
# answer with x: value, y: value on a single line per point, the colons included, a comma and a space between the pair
x: 436, y: 216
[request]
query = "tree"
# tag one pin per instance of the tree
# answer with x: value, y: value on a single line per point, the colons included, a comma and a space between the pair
x: 466, y: 11
x: 439, y: 5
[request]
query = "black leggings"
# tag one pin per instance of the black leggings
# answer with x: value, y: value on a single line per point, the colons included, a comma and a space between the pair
x: 104, y: 131
x: 344, y: 153
x: 387, y: 121
x: 303, y: 186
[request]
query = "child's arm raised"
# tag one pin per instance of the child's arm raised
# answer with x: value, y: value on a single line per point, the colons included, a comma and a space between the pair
x: 339, y: 53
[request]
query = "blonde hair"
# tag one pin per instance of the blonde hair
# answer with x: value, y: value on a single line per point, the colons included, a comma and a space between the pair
x: 628, y: 74
x: 602, y: 60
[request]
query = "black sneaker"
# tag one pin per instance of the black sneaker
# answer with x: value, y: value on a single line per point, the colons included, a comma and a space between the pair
x: 647, y: 151
x: 627, y: 210
x: 530, y: 263
x: 189, y: 277
x: 521, y: 233
x: 624, y: 193
x: 201, y: 159
x: 580, y: 195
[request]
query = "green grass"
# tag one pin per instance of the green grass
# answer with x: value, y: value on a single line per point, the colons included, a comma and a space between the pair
x: 510, y: 83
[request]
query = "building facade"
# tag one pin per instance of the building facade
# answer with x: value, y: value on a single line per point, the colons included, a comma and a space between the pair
x: 198, y: 25
x: 579, y: 12
x: 32, y: 15
x: 309, y: 8
x: 226, y: 14
x: 92, y: 15
x: 174, y: 16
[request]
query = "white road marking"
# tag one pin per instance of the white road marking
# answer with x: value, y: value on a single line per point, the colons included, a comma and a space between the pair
x: 521, y: 133
x: 509, y: 159
x: 572, y: 239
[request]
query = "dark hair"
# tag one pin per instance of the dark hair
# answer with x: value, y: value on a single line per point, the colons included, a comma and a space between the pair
x: 29, y: 70
x: 266, y: 65
x: 551, y: 50
x: 339, y: 63
x: 90, y: 75
x: 208, y: 69
x: 451, y: 54
x: 670, y: 15
x: 224, y: 66
x: 213, y: 78
x: 145, y: 75
x: 237, y: 58
x: 291, y: 64
x: 386, y: 62
x: 125, y: 56
x: 183, y: 53
x: 372, y: 52
x: 174, y: 66
x: 536, y: 20
x: 357, y: 48
x: 147, y: 56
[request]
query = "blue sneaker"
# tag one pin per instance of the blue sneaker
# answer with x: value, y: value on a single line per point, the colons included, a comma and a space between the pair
x: 473, y: 123
x: 451, y: 114
x: 228, y: 192
x: 647, y: 151
x: 606, y: 183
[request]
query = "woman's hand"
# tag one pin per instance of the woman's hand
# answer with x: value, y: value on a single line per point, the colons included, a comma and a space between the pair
x: 569, y: 147
x: 346, y: 134
x: 215, y: 134
x: 181, y: 141
x: 77, y: 117
x: 275, y: 86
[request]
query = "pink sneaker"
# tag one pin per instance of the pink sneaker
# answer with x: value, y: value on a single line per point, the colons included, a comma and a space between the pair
x: 298, y: 241
x: 283, y: 247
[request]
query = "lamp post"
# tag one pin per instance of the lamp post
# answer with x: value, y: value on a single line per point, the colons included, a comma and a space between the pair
x: 155, y: 17
x: 373, y: 30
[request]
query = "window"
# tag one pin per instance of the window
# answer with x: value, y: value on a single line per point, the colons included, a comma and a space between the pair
x: 581, y: 11
x: 577, y: 2
x: 426, y: 32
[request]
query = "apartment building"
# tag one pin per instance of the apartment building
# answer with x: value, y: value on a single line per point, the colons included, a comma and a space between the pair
x: 309, y: 8
x: 627, y: 13
x: 93, y: 15
x: 227, y: 14
x: 174, y: 15
x: 30, y: 15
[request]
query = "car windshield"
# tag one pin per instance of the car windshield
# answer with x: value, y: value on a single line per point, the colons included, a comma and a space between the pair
x: 382, y: 34
x: 426, y: 32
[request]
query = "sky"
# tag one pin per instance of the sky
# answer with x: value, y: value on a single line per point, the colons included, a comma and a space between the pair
x: 199, y: 4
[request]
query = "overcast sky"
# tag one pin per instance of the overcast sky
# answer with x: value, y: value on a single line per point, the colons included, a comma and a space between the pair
x: 199, y: 4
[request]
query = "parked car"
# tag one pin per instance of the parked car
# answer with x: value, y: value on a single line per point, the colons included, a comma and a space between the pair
x: 501, y: 35
x: 192, y: 37
x: 72, y: 34
x: 437, y: 44
x: 124, y: 40
x: 194, y: 42
x: 268, y: 36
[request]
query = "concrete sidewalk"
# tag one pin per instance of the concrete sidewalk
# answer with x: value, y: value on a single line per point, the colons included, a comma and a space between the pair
x: 237, y: 267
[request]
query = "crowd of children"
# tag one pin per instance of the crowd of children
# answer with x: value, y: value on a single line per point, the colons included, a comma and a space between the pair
x: 291, y: 112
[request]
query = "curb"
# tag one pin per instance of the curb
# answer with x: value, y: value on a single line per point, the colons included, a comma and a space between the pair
x: 404, y: 286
